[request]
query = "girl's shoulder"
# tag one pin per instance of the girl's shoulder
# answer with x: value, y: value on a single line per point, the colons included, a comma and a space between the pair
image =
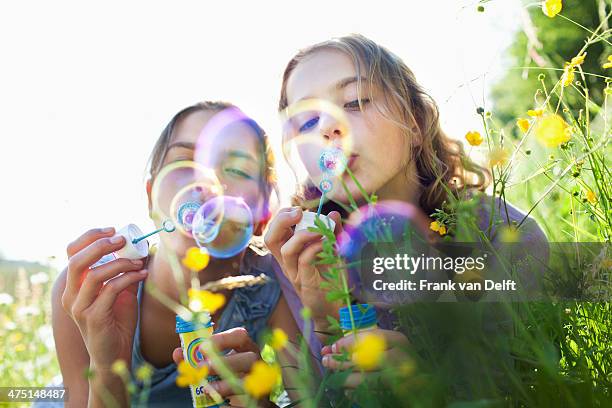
x: 503, y: 222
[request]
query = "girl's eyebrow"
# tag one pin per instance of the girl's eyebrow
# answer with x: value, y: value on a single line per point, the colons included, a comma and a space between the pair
x: 186, y: 145
x: 343, y: 83
x: 340, y: 85
x: 241, y: 154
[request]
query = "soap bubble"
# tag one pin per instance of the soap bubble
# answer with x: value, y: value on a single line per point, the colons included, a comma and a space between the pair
x: 180, y: 183
x: 226, y: 235
x: 317, y: 141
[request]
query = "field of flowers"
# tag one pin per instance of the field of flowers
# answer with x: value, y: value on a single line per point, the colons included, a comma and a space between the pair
x: 550, y: 160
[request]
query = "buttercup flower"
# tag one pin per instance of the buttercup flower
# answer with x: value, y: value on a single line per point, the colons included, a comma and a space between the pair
x: 474, y: 138
x: 578, y: 60
x: 568, y: 75
x: 188, y: 375
x: 523, y: 124
x: 119, y: 367
x: 368, y: 351
x: 196, y: 259
x: 591, y: 197
x: 552, y: 131
x: 498, y: 157
x: 200, y: 300
x: 534, y: 113
x: 278, y: 340
x: 552, y: 7
x: 144, y: 372
x: 262, y: 378
x: 438, y: 227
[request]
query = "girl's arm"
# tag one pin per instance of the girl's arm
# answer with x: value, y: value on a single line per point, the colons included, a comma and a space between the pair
x: 71, y: 351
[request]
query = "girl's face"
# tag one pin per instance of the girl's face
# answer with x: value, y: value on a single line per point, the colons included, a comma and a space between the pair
x: 379, y: 154
x: 236, y: 162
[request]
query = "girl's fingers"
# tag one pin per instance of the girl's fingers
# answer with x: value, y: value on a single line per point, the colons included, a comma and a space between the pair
x: 239, y: 363
x: 280, y: 230
x: 83, y: 259
x: 88, y: 238
x: 177, y: 355
x: 112, y: 289
x: 237, y: 338
x: 223, y: 388
x: 393, y: 339
x: 392, y: 357
x: 329, y: 361
x: 305, y: 264
x: 292, y: 249
x: 95, y: 278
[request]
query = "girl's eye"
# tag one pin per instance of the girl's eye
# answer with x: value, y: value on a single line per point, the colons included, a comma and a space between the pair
x: 354, y: 105
x: 309, y: 124
x: 238, y: 172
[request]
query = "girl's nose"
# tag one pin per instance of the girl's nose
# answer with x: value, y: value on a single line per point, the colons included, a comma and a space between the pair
x: 331, y: 129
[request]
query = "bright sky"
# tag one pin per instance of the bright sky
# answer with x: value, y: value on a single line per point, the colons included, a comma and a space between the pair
x: 85, y: 89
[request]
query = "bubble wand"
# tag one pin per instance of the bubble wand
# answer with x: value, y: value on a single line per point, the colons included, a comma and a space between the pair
x: 167, y: 226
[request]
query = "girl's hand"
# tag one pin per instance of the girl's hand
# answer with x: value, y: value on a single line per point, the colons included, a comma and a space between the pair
x: 296, y: 253
x: 242, y: 355
x: 102, y: 301
x: 393, y: 356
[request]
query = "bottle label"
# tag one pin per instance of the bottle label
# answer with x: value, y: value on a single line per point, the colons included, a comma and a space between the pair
x: 191, y: 343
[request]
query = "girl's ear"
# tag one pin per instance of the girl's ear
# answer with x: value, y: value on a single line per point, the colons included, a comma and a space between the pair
x: 149, y: 188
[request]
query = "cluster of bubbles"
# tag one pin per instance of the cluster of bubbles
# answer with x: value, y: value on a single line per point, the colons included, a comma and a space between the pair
x: 201, y: 207
x: 316, y: 141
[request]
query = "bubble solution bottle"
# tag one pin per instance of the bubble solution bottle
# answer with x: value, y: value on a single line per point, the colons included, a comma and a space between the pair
x: 364, y: 318
x: 192, y: 335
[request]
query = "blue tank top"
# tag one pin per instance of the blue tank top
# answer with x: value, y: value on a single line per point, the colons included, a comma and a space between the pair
x: 248, y: 307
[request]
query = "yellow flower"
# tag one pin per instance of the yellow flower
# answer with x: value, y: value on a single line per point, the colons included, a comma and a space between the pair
x: 509, y: 234
x: 552, y: 131
x: 534, y: 113
x: 523, y: 124
x: 608, y: 64
x: 590, y: 195
x: 568, y: 75
x: 262, y: 378
x: 438, y: 227
x: 279, y: 339
x: 200, y: 300
x: 473, y: 138
x: 144, y: 372
x: 578, y: 60
x: 498, y: 157
x: 119, y: 367
x: 368, y: 351
x: 189, y: 375
x: 551, y: 7
x: 196, y: 259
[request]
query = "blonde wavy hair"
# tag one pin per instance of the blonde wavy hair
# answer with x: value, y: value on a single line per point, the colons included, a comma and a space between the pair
x: 441, y: 163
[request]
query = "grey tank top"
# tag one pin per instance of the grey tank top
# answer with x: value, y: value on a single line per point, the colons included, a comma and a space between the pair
x: 248, y: 307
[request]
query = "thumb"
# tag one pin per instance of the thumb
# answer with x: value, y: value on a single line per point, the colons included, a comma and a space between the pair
x: 335, y: 215
x: 177, y: 355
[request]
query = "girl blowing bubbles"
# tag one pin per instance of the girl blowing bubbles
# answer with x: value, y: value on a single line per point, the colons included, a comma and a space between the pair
x: 96, y: 325
x: 398, y: 151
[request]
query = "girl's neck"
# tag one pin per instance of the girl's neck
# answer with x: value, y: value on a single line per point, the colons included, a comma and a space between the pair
x: 404, y: 186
